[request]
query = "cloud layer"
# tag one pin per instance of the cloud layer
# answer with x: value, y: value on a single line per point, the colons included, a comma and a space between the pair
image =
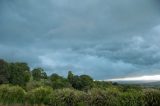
x: 102, y: 38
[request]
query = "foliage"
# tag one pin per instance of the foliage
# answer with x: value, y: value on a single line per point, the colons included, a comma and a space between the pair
x: 87, y: 82
x: 11, y: 94
x: 59, y: 82
x: 76, y: 82
x: 19, y: 73
x: 39, y: 95
x: 33, y: 84
x: 4, y: 72
x: 102, y: 84
x: 70, y: 76
x: 38, y: 74
x: 67, y: 97
x: 132, y: 98
x: 111, y: 96
x: 83, y: 82
x: 99, y: 97
x: 129, y: 87
x: 152, y: 97
x: 74, y: 90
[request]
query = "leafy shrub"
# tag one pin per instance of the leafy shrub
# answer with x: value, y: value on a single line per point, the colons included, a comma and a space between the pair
x: 99, y: 97
x: 152, y: 97
x: 131, y: 98
x: 11, y: 94
x: 39, y: 95
x: 67, y: 97
x: 33, y: 84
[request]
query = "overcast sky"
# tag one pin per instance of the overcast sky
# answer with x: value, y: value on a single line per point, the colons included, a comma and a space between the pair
x: 103, y: 38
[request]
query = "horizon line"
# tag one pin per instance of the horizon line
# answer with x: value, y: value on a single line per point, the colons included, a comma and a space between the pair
x: 139, y: 78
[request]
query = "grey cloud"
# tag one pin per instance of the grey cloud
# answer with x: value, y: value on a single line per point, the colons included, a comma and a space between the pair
x: 86, y: 64
x: 103, y: 38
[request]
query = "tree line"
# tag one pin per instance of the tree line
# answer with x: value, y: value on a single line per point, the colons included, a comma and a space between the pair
x: 19, y: 73
x: 19, y: 85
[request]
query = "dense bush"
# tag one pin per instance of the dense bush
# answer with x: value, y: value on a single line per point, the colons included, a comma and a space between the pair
x: 99, y: 97
x: 111, y: 96
x: 11, y: 94
x: 68, y: 97
x: 152, y: 97
x: 39, y: 95
x: 33, y: 84
x: 131, y: 98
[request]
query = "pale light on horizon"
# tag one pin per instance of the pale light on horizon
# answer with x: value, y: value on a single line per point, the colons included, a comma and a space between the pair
x: 140, y: 78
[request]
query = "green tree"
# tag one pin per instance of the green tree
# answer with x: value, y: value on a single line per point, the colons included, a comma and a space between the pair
x: 44, y: 75
x: 83, y: 82
x: 4, y: 73
x: 76, y: 82
x: 70, y: 76
x: 86, y: 82
x: 19, y: 73
x: 59, y: 82
x: 38, y: 74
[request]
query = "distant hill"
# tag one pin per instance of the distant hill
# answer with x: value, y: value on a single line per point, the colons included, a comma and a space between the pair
x: 141, y: 83
x: 152, y: 84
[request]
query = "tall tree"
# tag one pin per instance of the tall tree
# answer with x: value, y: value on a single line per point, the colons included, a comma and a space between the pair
x: 4, y: 73
x: 59, y: 82
x: 76, y: 82
x: 19, y: 73
x: 38, y: 74
x: 86, y: 82
x: 70, y: 76
x: 83, y: 82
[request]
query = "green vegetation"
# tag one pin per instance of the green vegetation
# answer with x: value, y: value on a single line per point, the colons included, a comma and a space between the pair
x: 39, y: 95
x: 20, y: 85
x: 11, y: 94
x: 38, y: 74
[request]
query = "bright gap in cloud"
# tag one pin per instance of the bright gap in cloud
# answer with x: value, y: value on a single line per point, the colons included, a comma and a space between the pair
x: 140, y: 78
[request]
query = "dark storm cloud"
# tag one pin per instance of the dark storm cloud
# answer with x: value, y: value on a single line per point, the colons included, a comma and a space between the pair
x: 102, y: 38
